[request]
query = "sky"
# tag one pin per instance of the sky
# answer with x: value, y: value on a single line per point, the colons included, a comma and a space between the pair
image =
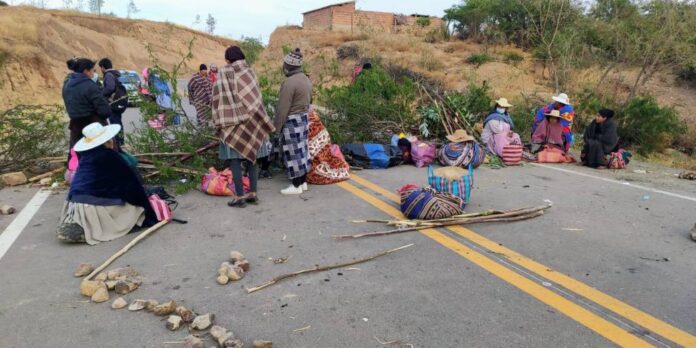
x: 252, y: 18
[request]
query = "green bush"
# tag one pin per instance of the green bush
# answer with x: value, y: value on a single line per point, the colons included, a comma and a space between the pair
x: 2, y: 3
x: 647, y: 125
x: 252, y: 49
x: 370, y: 109
x: 511, y: 57
x: 479, y: 59
x: 423, y: 21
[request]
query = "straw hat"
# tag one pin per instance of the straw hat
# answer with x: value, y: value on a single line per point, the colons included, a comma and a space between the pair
x: 503, y: 102
x: 554, y: 113
x: 451, y: 173
x: 95, y: 134
x: 562, y: 98
x: 460, y: 136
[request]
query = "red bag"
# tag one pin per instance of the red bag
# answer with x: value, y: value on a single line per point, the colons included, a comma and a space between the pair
x: 422, y: 153
x: 512, y: 154
x: 552, y: 154
x: 160, y: 207
x: 221, y: 183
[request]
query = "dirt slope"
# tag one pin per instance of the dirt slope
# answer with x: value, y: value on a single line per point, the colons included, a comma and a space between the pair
x: 34, y: 45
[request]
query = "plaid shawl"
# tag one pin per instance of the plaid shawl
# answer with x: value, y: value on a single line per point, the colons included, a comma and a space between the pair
x: 238, y: 111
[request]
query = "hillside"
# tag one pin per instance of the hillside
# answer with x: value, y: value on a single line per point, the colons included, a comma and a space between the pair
x: 34, y: 45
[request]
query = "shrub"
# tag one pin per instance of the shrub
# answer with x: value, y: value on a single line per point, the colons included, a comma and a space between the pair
x: 647, y: 125
x: 436, y: 35
x: 423, y: 22
x: 2, y: 3
x: 348, y: 50
x: 449, y: 49
x: 511, y: 57
x: 252, y: 48
x: 428, y: 61
x: 479, y: 59
x: 688, y: 74
x: 28, y: 132
x: 370, y: 109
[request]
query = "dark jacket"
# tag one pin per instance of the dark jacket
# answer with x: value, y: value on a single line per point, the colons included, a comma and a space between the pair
x: 83, y: 98
x: 110, y: 82
x: 104, y: 178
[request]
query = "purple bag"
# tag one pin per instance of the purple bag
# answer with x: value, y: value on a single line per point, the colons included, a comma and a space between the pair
x: 422, y: 153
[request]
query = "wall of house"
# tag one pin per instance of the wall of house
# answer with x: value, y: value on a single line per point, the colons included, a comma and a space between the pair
x: 382, y: 21
x: 343, y: 17
x: 320, y: 19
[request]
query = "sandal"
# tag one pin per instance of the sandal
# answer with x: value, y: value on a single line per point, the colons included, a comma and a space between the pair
x: 252, y: 198
x: 237, y: 202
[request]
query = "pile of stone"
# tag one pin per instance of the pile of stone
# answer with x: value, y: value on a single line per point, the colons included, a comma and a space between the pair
x: 120, y: 280
x: 234, y: 269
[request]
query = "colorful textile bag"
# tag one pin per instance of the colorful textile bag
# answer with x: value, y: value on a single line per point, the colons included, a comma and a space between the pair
x: 428, y: 204
x: 457, y: 187
x: 619, y: 159
x: 160, y: 207
x: 461, y: 154
x: 512, y: 154
x: 221, y: 183
x: 422, y: 153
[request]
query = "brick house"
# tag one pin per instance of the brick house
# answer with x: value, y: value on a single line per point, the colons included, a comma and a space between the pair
x: 344, y: 17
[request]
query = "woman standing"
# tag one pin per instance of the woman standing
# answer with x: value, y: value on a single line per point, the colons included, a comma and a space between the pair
x: 292, y: 123
x: 241, y: 122
x: 83, y: 98
x: 497, y: 132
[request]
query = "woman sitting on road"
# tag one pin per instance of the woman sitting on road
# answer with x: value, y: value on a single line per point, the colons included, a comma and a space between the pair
x: 549, y: 132
x: 497, y: 128
x: 106, y: 198
x: 241, y: 122
x: 600, y: 140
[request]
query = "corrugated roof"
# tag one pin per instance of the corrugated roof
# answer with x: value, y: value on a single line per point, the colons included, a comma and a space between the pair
x: 321, y: 8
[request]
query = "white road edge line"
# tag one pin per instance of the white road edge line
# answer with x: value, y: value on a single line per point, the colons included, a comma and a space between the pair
x: 21, y: 221
x: 623, y: 183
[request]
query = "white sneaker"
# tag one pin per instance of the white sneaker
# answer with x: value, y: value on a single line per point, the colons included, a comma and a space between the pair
x: 305, y: 187
x: 292, y: 190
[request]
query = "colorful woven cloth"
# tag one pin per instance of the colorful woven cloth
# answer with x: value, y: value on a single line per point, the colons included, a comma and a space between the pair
x: 461, y: 154
x: 567, y: 119
x: 200, y: 91
x: 327, y: 167
x: 427, y: 204
x: 295, y: 146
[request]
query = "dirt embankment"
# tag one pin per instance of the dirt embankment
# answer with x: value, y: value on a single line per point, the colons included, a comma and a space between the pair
x: 34, y: 45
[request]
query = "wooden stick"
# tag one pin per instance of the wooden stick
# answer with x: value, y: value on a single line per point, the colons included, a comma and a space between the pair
x: 46, y: 175
x: 155, y: 154
x: 126, y: 248
x: 324, y: 268
x: 444, y: 224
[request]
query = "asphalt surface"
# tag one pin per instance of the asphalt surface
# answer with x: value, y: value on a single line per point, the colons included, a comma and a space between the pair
x: 453, y: 288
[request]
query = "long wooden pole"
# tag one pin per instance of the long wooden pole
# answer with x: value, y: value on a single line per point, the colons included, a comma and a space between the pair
x: 126, y: 248
x: 324, y: 268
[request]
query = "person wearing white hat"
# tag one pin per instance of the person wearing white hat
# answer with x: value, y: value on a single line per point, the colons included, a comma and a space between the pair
x: 497, y: 128
x: 106, y: 198
x: 561, y: 102
x: 549, y: 133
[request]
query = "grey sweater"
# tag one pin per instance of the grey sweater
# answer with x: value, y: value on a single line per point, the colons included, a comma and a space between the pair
x: 295, y: 97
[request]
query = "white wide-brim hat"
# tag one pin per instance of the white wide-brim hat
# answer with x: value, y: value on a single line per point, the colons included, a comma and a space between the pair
x: 95, y: 134
x: 562, y: 98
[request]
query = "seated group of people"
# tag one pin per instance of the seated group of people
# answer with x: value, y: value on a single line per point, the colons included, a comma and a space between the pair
x: 552, y: 133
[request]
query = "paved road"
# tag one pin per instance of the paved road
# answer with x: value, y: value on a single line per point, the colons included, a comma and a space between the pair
x: 610, y: 264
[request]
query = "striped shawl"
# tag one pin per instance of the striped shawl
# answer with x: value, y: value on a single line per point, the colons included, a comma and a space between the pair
x: 238, y: 112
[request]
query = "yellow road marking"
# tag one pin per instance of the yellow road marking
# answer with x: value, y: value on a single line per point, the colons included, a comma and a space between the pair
x: 625, y: 310
x: 583, y: 316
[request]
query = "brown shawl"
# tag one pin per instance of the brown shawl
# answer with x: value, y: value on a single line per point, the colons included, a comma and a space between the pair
x: 238, y: 111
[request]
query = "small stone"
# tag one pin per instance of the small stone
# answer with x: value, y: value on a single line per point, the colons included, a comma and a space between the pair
x: 203, y: 322
x: 236, y: 343
x: 101, y: 295
x: 174, y: 322
x: 83, y: 269
x: 222, y: 270
x: 124, y: 287
x: 221, y: 334
x: 45, y: 181
x: 137, y: 305
x: 244, y: 265
x: 100, y: 277
x: 235, y: 273
x: 262, y: 344
x: 89, y: 287
x: 111, y: 284
x: 14, y: 179
x: 150, y: 305
x: 165, y: 308
x: 693, y: 233
x: 236, y: 256
x: 119, y: 303
x: 223, y: 280
x: 6, y: 209
x: 186, y: 314
x: 118, y: 273
x: 192, y: 341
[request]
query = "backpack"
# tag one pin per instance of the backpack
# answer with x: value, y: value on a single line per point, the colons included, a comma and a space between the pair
x: 119, y: 99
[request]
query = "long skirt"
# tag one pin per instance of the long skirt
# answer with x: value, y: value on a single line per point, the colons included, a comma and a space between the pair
x: 295, y: 147
x: 103, y: 223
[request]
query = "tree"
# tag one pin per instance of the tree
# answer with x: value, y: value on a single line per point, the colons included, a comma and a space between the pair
x: 80, y: 5
x: 95, y: 6
x: 210, y: 22
x: 132, y: 9
x: 252, y: 48
x: 67, y: 4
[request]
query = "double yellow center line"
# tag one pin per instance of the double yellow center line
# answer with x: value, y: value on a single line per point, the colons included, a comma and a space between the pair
x: 601, y: 326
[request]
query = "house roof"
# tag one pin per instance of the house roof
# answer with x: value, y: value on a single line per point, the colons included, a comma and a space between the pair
x: 321, y: 8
